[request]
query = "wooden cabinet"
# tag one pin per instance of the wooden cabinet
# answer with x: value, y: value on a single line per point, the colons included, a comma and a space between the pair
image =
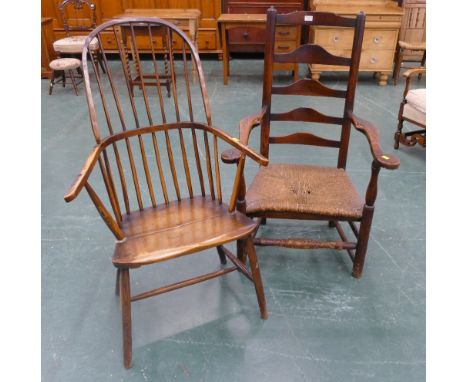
x: 107, y: 9
x: 47, y: 50
x: 413, y: 27
x: 383, y: 21
x: 251, y: 39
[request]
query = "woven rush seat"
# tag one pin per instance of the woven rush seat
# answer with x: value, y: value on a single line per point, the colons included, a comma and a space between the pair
x: 74, y: 44
x: 303, y: 189
x: 65, y: 64
x: 412, y: 45
x: 167, y: 231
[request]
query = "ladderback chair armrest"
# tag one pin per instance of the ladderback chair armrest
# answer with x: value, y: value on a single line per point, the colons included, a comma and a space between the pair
x: 83, y: 176
x: 409, y: 76
x: 371, y: 132
x: 246, y: 125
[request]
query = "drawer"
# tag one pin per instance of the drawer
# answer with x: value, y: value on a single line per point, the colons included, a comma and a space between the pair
x: 206, y: 40
x: 284, y: 46
x: 180, y: 23
x: 286, y: 33
x: 377, y: 60
x: 246, y: 35
x: 343, y: 39
x: 380, y: 39
x: 108, y: 41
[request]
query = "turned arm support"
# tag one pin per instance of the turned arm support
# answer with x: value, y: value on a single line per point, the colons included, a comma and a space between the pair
x: 409, y: 76
x: 387, y: 161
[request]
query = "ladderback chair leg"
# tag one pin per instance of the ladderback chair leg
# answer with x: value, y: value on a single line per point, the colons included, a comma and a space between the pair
x: 117, y: 282
x: 222, y: 255
x: 125, y: 303
x: 363, y: 240
x: 257, y: 279
x: 397, y: 136
x: 396, y: 69
x: 241, y: 250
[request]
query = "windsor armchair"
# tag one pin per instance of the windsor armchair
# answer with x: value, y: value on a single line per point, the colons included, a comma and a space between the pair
x: 309, y: 192
x: 412, y: 110
x: 161, y: 172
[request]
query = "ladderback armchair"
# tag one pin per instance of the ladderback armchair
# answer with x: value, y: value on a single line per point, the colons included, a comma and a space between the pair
x: 310, y: 192
x: 158, y: 161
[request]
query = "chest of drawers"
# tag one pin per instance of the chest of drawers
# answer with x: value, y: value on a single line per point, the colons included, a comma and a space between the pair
x: 383, y: 21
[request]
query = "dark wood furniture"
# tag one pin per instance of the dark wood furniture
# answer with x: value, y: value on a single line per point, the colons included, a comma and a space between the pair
x: 288, y: 38
x: 412, y: 110
x: 250, y: 38
x: 292, y: 191
x: 159, y: 162
x: 108, y: 9
x: 383, y: 21
x: 47, y: 50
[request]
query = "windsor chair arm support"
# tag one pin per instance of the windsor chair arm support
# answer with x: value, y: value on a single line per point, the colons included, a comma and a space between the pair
x: 246, y: 126
x: 371, y: 132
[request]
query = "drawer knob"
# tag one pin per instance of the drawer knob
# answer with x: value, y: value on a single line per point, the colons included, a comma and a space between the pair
x: 376, y: 40
x: 373, y: 60
x: 283, y: 47
x: 336, y: 38
x: 245, y: 34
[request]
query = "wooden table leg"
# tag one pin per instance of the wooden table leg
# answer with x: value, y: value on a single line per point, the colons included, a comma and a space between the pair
x: 225, y: 54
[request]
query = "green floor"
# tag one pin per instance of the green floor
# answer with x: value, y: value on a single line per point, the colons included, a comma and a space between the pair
x: 324, y: 325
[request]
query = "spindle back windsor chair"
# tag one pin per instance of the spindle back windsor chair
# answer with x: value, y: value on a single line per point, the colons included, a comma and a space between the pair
x: 158, y: 159
x: 310, y: 192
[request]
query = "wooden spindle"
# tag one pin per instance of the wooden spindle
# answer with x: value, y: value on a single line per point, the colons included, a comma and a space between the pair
x: 218, y: 179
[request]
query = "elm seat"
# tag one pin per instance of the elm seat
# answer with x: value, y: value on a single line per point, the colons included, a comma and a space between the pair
x: 74, y: 44
x: 304, y: 189
x: 167, y: 231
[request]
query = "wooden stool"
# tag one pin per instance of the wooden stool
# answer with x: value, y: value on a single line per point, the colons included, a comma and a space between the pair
x: 60, y: 65
x: 402, y: 46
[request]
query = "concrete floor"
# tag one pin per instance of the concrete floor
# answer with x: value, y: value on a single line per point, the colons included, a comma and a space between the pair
x: 324, y: 325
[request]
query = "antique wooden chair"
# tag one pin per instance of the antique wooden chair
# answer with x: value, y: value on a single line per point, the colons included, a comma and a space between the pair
x: 60, y: 67
x: 77, y: 16
x: 412, y: 110
x: 157, y: 210
x: 292, y: 191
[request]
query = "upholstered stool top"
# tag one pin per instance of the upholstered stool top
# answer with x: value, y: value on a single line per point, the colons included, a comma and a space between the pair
x: 65, y: 64
x: 74, y: 44
x: 412, y: 45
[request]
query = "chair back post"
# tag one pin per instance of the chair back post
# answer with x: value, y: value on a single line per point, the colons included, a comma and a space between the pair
x: 268, y: 79
x: 77, y: 6
x: 351, y: 90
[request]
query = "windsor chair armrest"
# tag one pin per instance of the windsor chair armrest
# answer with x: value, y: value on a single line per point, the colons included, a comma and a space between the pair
x: 83, y: 176
x: 246, y: 126
x: 371, y: 132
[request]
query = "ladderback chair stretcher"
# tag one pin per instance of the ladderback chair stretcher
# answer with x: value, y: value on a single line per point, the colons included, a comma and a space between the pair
x: 293, y: 191
x: 158, y: 159
x: 412, y: 110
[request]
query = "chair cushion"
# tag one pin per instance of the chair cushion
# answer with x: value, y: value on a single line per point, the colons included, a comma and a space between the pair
x: 409, y: 112
x: 417, y: 99
x: 74, y: 44
x: 65, y: 64
x: 177, y: 229
x: 303, y: 189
